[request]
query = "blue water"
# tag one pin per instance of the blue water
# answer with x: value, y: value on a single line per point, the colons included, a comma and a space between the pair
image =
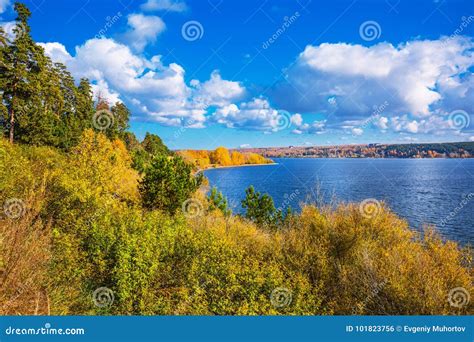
x: 423, y: 191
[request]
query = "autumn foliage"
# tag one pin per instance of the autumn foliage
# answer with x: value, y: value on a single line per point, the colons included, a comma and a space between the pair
x: 221, y: 157
x: 84, y: 227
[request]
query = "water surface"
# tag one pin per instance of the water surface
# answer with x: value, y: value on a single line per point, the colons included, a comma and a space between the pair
x: 423, y: 191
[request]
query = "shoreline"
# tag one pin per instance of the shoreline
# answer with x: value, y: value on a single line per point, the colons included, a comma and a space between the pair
x: 233, y: 166
x: 296, y: 157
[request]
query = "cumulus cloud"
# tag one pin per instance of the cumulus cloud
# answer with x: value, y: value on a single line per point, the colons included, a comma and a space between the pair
x: 164, y: 5
x: 297, y: 120
x: 144, y: 30
x: 434, y: 124
x: 154, y: 90
x: 317, y: 127
x: 256, y: 114
x: 420, y: 79
x: 381, y: 122
x: 357, y: 131
x: 216, y: 91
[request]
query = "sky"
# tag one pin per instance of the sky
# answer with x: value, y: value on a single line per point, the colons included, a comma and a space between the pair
x: 257, y: 73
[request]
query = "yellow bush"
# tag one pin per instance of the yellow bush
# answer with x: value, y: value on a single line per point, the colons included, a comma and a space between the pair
x: 83, y: 229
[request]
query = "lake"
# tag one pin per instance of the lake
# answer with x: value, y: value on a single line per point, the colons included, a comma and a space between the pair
x: 423, y: 191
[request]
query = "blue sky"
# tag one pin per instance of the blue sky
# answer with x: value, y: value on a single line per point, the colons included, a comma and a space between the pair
x: 207, y: 73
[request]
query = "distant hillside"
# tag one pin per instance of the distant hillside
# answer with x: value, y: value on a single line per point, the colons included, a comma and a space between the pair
x: 428, y: 150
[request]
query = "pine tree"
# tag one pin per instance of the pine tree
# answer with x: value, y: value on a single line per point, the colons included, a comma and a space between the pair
x: 120, y: 123
x: 20, y: 67
x: 3, y: 70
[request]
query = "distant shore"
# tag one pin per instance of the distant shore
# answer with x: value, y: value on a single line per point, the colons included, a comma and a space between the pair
x: 232, y: 166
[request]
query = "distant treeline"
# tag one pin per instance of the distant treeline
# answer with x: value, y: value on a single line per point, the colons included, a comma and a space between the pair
x: 440, y: 148
x: 221, y: 157
x: 428, y: 150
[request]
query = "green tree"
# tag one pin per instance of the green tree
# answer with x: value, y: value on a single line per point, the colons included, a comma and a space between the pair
x: 20, y: 68
x: 154, y: 145
x: 150, y: 147
x: 217, y: 201
x: 3, y: 70
x: 167, y: 183
x: 120, y: 123
x: 261, y: 209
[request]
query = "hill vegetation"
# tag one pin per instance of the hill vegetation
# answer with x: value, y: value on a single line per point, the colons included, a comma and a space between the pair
x: 435, y: 150
x: 95, y: 222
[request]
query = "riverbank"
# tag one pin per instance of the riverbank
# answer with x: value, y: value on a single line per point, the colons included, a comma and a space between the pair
x: 232, y: 166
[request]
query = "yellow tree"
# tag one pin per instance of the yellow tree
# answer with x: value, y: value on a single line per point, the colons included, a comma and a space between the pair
x: 221, y: 157
x: 237, y: 158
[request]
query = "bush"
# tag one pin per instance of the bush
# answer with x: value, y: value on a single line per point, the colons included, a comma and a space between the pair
x: 84, y: 229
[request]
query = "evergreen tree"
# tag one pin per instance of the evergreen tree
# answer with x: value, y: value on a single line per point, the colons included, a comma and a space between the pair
x: 3, y: 70
x: 261, y: 210
x: 217, y: 201
x: 154, y: 145
x: 20, y: 68
x: 168, y: 182
x: 120, y: 123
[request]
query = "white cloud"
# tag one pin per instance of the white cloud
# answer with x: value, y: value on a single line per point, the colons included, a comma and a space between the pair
x: 8, y: 27
x: 57, y: 52
x: 412, y: 127
x: 381, y: 122
x: 245, y: 146
x: 357, y: 131
x: 144, y: 30
x: 256, y: 114
x: 216, y: 91
x: 151, y: 88
x: 434, y: 124
x: 317, y: 127
x: 420, y: 79
x: 297, y: 119
x: 164, y: 5
x: 4, y: 4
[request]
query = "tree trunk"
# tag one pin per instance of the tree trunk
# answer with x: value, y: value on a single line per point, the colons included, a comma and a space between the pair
x: 12, y: 125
